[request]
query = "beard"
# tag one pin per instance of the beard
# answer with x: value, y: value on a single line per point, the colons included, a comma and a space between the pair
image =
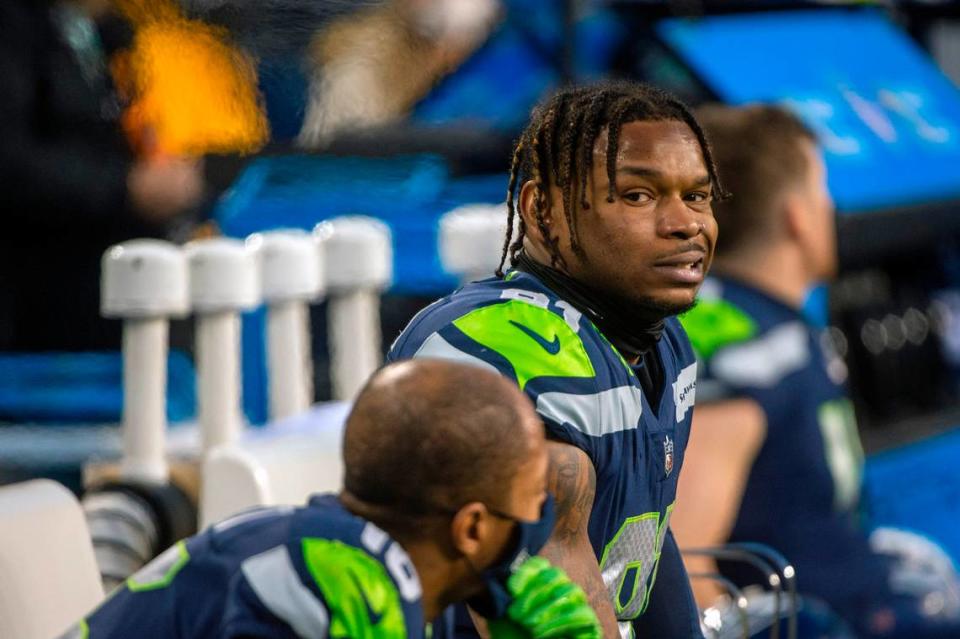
x: 663, y: 309
x: 645, y: 307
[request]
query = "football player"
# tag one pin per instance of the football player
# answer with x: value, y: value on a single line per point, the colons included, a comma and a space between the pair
x: 611, y: 191
x: 775, y: 456
x: 444, y: 499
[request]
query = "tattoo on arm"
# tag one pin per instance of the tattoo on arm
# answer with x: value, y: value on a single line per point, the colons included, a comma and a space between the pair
x: 572, y: 481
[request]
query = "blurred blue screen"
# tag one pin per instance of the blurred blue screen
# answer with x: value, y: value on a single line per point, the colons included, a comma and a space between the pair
x: 888, y: 119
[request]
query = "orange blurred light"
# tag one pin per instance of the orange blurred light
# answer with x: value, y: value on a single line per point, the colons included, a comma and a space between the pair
x: 191, y: 91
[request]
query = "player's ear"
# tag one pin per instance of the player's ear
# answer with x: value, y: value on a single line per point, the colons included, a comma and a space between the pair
x: 796, y: 217
x: 468, y: 528
x: 527, y: 208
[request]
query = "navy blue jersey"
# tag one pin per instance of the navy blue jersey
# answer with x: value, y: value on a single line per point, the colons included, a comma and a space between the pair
x: 587, y: 396
x: 311, y: 572
x: 802, y: 493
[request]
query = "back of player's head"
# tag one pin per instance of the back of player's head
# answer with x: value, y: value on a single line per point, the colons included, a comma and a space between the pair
x: 759, y: 151
x: 556, y: 149
x: 428, y: 436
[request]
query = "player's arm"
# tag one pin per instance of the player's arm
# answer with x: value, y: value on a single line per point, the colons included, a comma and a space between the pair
x: 724, y: 440
x: 572, y: 481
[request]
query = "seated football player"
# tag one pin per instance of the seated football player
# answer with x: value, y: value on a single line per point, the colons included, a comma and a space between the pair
x: 774, y: 456
x: 436, y: 508
x: 611, y: 189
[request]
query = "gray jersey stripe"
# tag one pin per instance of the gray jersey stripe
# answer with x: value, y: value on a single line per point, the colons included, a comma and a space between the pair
x: 764, y: 361
x: 437, y: 347
x: 275, y: 581
x: 422, y: 312
x: 597, y: 414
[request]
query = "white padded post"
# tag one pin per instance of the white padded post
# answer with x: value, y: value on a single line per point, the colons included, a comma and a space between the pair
x: 359, y: 266
x: 144, y: 282
x: 471, y: 240
x: 224, y: 280
x: 50, y: 578
x: 291, y: 263
x: 281, y: 464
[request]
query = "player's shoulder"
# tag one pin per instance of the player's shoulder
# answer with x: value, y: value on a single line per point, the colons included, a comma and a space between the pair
x: 332, y: 569
x: 209, y: 561
x: 366, y: 577
x: 447, y: 309
x: 473, y: 297
x: 746, y: 337
x: 719, y: 319
x: 287, y: 532
x: 515, y: 326
x: 326, y: 517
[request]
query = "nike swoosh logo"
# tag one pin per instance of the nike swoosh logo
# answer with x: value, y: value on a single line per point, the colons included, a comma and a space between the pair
x: 551, y: 347
x: 375, y: 617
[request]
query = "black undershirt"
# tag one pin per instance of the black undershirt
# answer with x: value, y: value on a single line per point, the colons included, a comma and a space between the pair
x: 649, y: 373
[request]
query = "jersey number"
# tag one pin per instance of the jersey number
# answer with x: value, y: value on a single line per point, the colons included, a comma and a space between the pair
x: 630, y: 560
x: 396, y: 560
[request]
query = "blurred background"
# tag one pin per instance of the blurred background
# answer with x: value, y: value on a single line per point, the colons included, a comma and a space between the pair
x: 134, y: 119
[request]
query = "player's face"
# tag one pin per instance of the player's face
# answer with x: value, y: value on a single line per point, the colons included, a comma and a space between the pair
x: 492, y: 538
x: 654, y: 243
x: 820, y: 244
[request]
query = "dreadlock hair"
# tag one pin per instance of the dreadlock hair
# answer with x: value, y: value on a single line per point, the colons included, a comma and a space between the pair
x: 556, y: 148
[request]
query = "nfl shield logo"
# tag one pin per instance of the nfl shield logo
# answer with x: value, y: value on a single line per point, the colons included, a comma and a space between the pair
x: 667, y: 454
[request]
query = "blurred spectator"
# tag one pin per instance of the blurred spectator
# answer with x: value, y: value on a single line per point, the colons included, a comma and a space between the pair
x: 69, y: 184
x: 372, y: 67
x: 774, y: 455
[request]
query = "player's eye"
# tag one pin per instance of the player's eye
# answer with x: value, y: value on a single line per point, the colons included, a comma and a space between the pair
x: 697, y: 196
x: 637, y: 196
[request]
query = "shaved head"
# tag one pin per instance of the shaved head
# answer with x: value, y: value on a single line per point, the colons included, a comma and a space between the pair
x: 431, y: 435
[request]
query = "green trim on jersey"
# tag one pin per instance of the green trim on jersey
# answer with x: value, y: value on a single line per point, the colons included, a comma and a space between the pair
x: 536, y: 341
x: 843, y: 451
x: 170, y: 563
x: 79, y: 630
x: 714, y: 324
x: 640, y: 535
x: 362, y: 599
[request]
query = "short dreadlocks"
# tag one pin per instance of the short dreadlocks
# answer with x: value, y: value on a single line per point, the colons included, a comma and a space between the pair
x: 557, y: 148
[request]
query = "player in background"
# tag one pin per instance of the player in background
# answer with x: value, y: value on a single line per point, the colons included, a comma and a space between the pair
x: 444, y: 499
x: 610, y: 190
x: 775, y: 456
